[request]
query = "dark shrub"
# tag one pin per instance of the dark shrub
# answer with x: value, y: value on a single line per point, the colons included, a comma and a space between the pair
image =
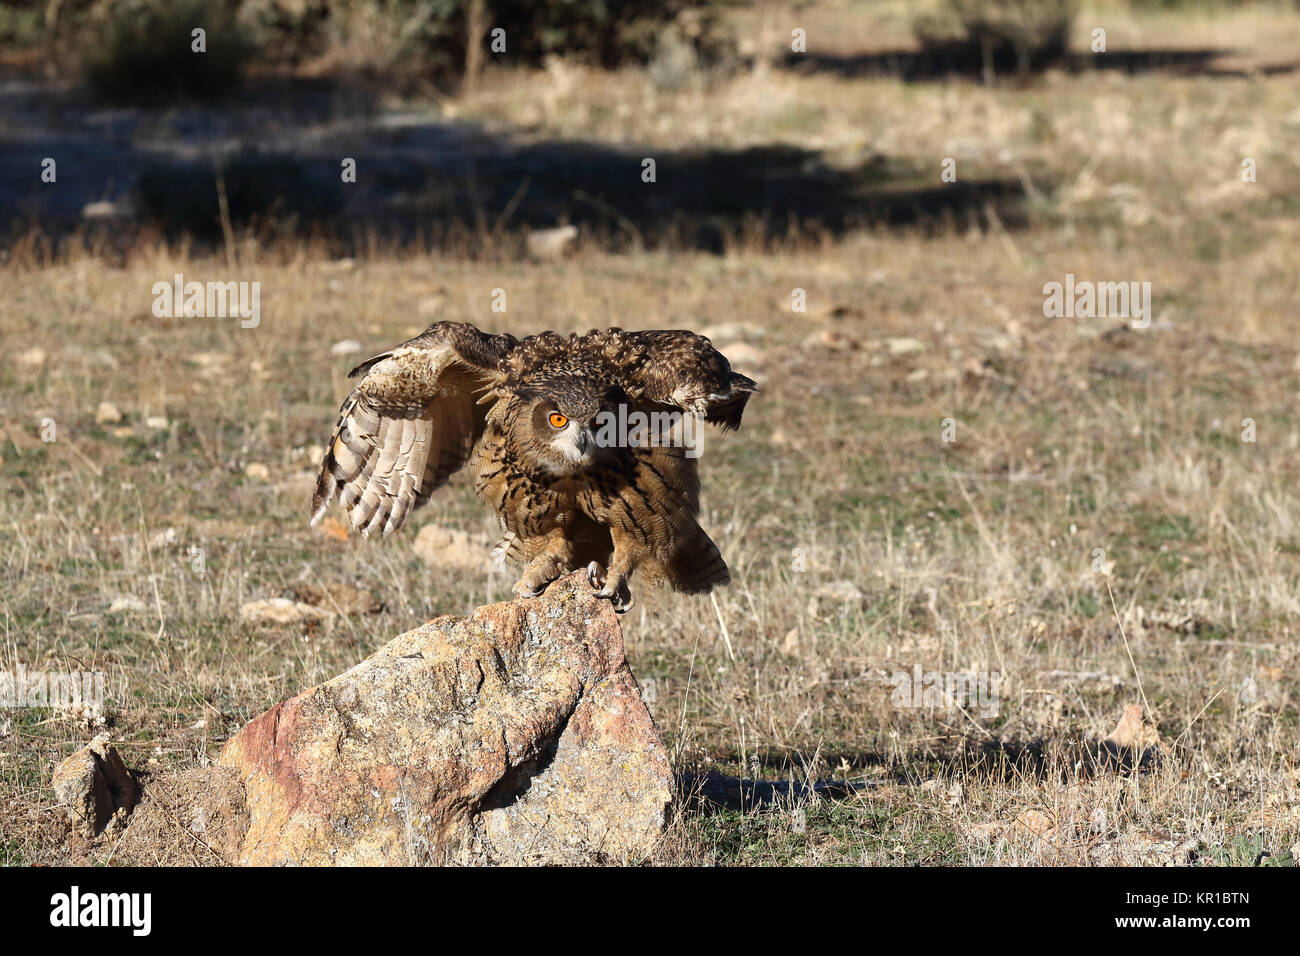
x: 21, y: 24
x: 143, y: 53
x: 429, y: 37
x: 997, y: 35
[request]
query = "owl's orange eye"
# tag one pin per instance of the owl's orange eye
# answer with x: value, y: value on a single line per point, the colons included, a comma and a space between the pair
x: 557, y: 420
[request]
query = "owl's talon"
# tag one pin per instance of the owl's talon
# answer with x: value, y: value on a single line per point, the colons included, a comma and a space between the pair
x: 539, y: 574
x: 596, y: 575
x: 615, y: 589
x: 521, y: 590
x: 621, y: 601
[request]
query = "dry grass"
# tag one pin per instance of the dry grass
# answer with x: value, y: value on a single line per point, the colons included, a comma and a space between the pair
x: 1072, y: 435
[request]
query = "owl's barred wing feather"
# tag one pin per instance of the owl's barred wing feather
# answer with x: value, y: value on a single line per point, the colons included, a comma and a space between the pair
x: 409, y: 424
x: 671, y: 367
x: 681, y: 369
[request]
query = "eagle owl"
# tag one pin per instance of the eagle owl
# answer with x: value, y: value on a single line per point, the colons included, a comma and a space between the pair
x: 543, y: 422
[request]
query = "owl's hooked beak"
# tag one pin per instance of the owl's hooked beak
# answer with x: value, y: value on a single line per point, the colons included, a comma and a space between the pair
x: 575, y: 443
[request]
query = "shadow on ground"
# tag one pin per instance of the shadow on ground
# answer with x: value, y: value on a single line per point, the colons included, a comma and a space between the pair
x: 986, y: 760
x: 957, y: 60
x: 421, y: 179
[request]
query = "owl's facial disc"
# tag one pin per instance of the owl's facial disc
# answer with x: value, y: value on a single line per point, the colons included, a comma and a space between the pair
x: 562, y: 416
x: 572, y: 440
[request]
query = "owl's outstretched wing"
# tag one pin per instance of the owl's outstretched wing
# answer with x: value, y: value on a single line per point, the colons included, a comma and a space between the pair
x: 683, y: 370
x: 409, y: 424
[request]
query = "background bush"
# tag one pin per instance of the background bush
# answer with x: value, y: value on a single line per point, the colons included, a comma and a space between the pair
x: 143, y: 56
x: 432, y: 35
x: 21, y: 24
x: 999, y: 35
x: 141, y: 48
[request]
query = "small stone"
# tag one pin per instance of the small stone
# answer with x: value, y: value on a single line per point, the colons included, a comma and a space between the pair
x: 450, y: 548
x: 346, y: 347
x: 790, y: 643
x: 299, y: 483
x: 107, y: 414
x: 1036, y: 822
x: 744, y: 355
x: 904, y: 346
x: 32, y: 357
x: 281, y: 612
x: 337, y: 597
x: 256, y: 471
x: 103, y: 209
x: 95, y: 787
x: 124, y: 603
x: 830, y: 339
x: 845, y: 591
x: 986, y: 832
x: 1133, y: 731
x: 727, y: 332
x: 157, y: 423
x: 551, y: 243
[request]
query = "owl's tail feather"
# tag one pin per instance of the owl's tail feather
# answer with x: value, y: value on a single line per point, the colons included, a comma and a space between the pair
x: 696, y: 566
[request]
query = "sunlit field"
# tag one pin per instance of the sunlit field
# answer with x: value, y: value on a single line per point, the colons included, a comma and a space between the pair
x: 936, y: 477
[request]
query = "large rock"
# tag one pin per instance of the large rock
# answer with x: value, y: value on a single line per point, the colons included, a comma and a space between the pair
x: 514, y: 735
